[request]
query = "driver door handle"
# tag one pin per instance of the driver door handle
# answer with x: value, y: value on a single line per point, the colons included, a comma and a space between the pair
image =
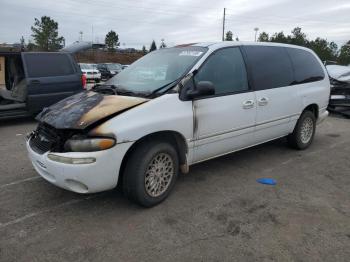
x: 263, y: 101
x: 248, y: 104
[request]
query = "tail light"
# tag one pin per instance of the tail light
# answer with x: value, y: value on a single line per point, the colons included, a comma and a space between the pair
x: 83, y: 80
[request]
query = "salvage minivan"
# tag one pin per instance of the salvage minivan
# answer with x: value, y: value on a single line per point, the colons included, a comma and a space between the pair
x: 176, y: 107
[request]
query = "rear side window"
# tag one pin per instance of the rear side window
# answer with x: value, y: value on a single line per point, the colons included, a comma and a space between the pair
x: 270, y: 66
x: 306, y: 66
x: 48, y: 64
x: 226, y: 70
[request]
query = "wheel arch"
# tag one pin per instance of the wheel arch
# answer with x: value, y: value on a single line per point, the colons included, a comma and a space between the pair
x: 313, y: 108
x: 174, y: 137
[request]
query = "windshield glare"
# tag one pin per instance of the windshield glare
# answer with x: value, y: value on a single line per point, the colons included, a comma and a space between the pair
x: 157, y: 69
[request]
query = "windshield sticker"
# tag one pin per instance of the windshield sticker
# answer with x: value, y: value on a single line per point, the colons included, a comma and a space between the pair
x: 190, y: 53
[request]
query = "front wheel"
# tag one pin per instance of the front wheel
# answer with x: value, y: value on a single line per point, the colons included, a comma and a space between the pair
x: 304, y: 131
x: 150, y: 173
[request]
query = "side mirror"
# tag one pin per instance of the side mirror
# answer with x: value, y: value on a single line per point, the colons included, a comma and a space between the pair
x: 203, y: 88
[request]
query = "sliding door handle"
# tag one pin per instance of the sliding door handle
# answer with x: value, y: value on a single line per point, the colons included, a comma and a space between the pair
x: 263, y: 101
x: 248, y: 104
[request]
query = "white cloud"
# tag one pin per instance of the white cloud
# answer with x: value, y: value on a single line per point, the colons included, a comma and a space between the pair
x: 184, y: 21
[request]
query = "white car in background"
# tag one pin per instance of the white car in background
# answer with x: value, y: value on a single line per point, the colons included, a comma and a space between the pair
x: 90, y: 71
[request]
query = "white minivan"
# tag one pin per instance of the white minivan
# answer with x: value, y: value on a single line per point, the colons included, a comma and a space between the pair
x: 176, y: 107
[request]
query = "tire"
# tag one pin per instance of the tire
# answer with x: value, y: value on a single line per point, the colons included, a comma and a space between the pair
x: 137, y: 183
x: 304, y: 131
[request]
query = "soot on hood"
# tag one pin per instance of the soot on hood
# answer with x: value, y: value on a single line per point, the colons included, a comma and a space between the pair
x: 86, y: 108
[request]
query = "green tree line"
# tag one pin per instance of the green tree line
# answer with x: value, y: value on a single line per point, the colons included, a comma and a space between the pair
x: 327, y: 51
x: 46, y: 38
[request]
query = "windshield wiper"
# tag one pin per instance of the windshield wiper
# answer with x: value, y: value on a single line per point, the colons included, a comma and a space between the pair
x: 114, y: 90
x: 163, y: 87
x: 127, y: 92
x: 105, y: 89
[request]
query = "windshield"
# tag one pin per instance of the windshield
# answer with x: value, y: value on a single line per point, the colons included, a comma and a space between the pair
x: 114, y: 66
x: 157, y: 69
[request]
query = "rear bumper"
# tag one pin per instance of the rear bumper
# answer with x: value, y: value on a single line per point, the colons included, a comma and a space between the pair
x: 81, y: 178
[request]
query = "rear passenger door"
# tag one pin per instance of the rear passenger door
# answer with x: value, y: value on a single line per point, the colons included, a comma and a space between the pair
x: 50, y: 78
x: 278, y: 100
x: 224, y: 121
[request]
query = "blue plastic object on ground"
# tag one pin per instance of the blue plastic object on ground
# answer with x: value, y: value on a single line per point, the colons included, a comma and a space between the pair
x: 266, y: 181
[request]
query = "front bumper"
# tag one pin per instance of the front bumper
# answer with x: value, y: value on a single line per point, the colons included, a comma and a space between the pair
x: 81, y: 178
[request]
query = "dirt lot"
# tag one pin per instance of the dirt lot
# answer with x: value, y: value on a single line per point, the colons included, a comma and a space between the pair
x: 218, y: 212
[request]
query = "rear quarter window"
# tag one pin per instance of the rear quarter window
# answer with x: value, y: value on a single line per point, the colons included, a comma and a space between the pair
x: 270, y: 66
x: 306, y: 67
x: 48, y: 64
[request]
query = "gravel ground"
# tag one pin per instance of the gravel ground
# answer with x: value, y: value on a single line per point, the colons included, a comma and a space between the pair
x: 217, y: 212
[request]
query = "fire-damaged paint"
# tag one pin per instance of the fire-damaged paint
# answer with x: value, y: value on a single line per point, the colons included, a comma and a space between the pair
x: 86, y: 108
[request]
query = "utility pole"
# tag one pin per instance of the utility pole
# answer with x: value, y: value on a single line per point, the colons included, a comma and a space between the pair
x: 256, y: 29
x: 223, y: 25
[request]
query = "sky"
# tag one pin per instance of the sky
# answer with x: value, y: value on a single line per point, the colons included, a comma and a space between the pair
x: 139, y: 22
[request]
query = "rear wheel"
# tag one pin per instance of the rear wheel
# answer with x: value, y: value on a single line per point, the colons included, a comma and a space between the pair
x: 304, y: 131
x: 150, y: 173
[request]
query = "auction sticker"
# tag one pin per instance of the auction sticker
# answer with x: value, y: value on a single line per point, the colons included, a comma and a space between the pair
x: 190, y: 53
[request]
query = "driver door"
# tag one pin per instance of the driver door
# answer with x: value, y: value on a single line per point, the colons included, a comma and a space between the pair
x: 225, y: 121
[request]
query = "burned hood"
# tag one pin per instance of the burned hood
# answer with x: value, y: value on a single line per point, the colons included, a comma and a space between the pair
x: 86, y: 108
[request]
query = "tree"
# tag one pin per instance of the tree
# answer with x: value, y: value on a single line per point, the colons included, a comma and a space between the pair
x: 31, y: 46
x: 153, y: 46
x: 263, y: 37
x: 144, y: 50
x: 112, y: 40
x: 279, y: 38
x: 229, y: 36
x: 324, y: 49
x: 22, y: 43
x: 45, y: 34
x: 344, y: 54
x: 297, y: 37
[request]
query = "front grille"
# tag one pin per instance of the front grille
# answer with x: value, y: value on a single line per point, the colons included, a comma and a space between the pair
x: 43, y: 140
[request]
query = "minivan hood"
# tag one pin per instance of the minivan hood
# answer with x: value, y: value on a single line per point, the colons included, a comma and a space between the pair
x: 86, y: 108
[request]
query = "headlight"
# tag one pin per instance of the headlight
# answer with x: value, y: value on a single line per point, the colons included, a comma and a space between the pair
x: 89, y: 144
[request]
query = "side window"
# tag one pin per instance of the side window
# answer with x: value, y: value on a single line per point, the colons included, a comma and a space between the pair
x: 48, y: 64
x: 306, y: 67
x: 226, y: 70
x: 270, y: 66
